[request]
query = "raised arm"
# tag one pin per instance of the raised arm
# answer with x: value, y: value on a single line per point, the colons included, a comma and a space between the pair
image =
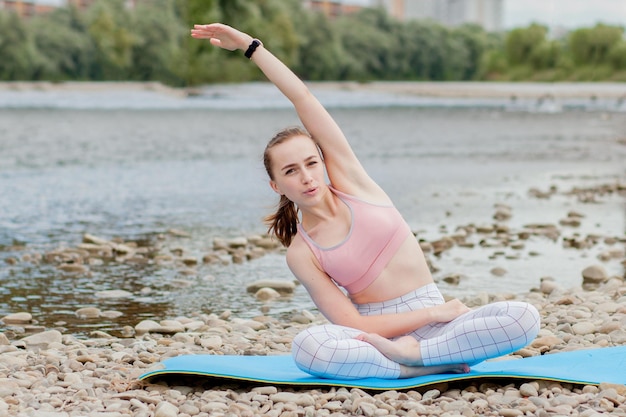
x: 344, y: 169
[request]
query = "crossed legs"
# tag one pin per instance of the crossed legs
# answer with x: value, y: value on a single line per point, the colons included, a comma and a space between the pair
x: 490, y: 331
x: 331, y: 351
x: 493, y: 330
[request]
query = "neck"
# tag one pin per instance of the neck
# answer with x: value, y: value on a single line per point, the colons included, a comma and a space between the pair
x: 324, y: 211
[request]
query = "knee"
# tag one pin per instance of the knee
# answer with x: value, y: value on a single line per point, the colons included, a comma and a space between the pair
x: 312, y: 349
x: 319, y: 350
x: 528, y: 318
x: 303, y: 341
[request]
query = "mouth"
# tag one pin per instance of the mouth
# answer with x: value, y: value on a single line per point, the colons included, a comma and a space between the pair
x: 310, y: 191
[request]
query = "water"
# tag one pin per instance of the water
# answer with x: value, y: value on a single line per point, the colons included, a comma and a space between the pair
x: 135, y: 164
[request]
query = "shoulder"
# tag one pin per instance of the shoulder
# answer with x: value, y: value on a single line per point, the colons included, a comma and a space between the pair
x: 301, y: 261
x: 298, y: 252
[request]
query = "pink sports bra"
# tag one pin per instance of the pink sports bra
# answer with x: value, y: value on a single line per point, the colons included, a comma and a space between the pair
x: 376, y: 233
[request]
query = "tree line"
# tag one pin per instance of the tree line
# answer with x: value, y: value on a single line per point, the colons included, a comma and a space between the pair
x: 151, y: 42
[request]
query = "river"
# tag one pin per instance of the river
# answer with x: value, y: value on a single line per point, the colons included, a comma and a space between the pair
x: 135, y: 164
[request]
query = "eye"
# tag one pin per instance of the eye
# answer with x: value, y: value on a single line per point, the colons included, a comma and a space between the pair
x: 290, y: 171
x: 311, y: 163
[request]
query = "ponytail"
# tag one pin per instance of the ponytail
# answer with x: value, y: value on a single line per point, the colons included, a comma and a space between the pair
x: 284, y: 222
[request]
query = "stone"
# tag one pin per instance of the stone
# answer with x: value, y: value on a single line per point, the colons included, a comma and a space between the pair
x: 239, y: 242
x: 111, y: 314
x: 113, y: 294
x: 282, y: 286
x: 88, y: 238
x: 498, y: 271
x: 583, y: 328
x: 211, y: 342
x: 146, y: 326
x: 266, y: 294
x: 43, y: 338
x: 88, y: 313
x: 594, y: 274
x: 18, y: 318
x: 503, y: 213
x: 528, y: 390
x: 166, y: 409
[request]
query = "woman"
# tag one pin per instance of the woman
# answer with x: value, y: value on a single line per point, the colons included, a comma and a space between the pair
x: 391, y: 321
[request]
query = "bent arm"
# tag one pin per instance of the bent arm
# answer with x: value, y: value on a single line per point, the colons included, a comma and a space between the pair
x: 338, y: 308
x: 343, y: 167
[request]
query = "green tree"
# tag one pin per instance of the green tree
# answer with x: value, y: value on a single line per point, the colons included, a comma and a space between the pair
x: 368, y: 41
x: 493, y: 66
x: 109, y: 26
x: 268, y: 20
x: 18, y: 53
x: 61, y: 40
x: 475, y: 43
x: 521, y: 43
x: 531, y: 55
x: 425, y: 50
x: 592, y: 46
x: 320, y: 52
x: 156, y: 53
x: 593, y: 50
x: 617, y: 55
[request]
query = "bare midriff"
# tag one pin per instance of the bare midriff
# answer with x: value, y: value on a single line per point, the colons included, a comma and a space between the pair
x: 405, y: 272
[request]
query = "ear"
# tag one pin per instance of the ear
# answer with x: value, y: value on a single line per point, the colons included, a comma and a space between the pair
x: 275, y: 187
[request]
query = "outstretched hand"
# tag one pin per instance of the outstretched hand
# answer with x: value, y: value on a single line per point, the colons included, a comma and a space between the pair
x: 222, y: 35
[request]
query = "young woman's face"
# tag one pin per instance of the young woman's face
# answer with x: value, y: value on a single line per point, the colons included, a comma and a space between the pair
x: 297, y: 168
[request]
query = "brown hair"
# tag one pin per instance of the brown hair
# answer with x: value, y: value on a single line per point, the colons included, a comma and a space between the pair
x: 284, y: 222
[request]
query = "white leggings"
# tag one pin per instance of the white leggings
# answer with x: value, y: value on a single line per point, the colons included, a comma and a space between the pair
x: 331, y: 351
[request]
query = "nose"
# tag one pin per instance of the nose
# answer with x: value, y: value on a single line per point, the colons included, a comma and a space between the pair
x: 306, y: 177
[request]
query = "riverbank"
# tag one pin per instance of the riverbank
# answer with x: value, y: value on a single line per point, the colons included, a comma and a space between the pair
x: 57, y: 375
x: 49, y: 372
x: 535, y: 90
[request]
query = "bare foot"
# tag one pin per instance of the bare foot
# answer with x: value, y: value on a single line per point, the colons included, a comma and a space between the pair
x: 411, y: 371
x: 404, y: 350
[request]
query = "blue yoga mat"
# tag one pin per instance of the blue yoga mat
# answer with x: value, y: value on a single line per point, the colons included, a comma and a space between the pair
x: 590, y: 367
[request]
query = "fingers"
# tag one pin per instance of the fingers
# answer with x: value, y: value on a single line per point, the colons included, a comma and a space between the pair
x: 207, y: 31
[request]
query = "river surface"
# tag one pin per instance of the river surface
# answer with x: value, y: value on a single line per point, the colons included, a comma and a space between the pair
x: 133, y: 165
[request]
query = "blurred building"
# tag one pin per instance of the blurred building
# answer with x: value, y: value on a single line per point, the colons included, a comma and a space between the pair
x: 334, y: 8
x: 84, y: 4
x: 487, y: 13
x: 26, y: 8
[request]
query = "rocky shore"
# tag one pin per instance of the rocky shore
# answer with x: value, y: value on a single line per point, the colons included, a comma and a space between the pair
x: 50, y: 374
x: 46, y: 372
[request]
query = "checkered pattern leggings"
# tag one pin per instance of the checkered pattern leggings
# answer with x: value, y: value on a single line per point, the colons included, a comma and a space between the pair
x: 331, y: 351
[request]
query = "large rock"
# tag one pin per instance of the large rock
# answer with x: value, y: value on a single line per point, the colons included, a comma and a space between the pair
x: 283, y: 287
x: 17, y: 318
x: 267, y: 294
x: 594, y: 275
x: 44, y: 338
